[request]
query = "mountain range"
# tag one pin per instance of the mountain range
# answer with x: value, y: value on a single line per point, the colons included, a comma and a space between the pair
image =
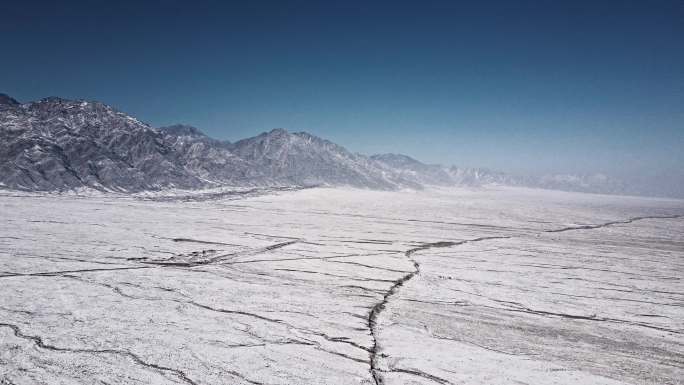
x: 56, y: 144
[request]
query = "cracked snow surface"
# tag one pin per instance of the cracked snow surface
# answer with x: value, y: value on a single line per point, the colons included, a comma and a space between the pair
x: 341, y: 286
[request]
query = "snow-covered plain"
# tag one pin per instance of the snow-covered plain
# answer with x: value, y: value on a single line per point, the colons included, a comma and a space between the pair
x: 337, y: 286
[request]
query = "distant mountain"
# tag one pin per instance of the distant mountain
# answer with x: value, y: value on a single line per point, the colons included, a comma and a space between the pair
x: 303, y: 159
x: 411, y: 169
x: 56, y: 144
x: 185, y: 131
x: 594, y: 183
x: 59, y: 144
x: 431, y: 174
x: 209, y: 159
x: 438, y: 175
x: 6, y: 101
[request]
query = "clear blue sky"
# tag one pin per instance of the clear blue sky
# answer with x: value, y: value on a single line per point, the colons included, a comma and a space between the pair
x: 522, y: 86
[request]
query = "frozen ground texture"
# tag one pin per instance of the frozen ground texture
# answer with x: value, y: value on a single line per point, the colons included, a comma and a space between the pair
x: 330, y: 286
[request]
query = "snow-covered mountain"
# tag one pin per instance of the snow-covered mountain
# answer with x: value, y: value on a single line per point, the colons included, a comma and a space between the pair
x: 595, y: 183
x: 208, y: 158
x: 439, y: 175
x: 59, y: 144
x: 303, y: 159
x: 56, y: 144
x: 409, y: 168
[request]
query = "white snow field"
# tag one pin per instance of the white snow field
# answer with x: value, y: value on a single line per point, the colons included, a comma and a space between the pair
x: 341, y: 286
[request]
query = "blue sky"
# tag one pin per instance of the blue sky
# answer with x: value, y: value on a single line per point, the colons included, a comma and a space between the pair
x: 520, y: 86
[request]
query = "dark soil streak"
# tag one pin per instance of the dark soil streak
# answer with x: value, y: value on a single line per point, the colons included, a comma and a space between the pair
x: 626, y: 221
x: 418, y: 373
x: 56, y: 273
x: 380, y: 306
x: 220, y: 258
x: 39, y: 342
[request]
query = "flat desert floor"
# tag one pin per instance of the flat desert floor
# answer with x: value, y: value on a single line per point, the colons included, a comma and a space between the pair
x: 340, y: 286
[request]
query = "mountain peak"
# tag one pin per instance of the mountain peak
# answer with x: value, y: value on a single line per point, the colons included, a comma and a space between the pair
x: 399, y: 161
x: 278, y: 132
x: 182, y: 130
x: 8, y: 100
x: 54, y: 99
x: 394, y: 157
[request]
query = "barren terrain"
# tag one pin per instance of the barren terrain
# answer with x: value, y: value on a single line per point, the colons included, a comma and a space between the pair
x: 342, y: 286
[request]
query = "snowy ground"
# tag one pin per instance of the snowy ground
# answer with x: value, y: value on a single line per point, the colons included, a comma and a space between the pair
x: 332, y: 286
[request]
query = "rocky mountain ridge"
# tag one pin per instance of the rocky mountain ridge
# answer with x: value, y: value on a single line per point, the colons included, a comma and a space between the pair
x: 58, y: 144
